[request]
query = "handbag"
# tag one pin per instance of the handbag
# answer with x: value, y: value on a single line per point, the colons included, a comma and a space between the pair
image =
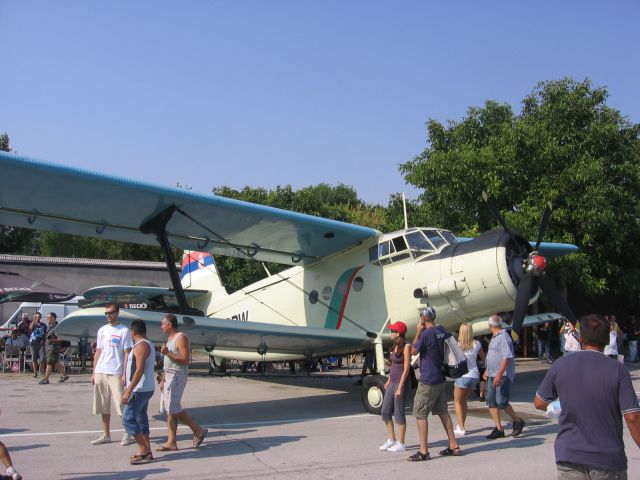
x: 412, y: 378
x: 454, y: 362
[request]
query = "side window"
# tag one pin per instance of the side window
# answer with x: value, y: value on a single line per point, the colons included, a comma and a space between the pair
x: 399, y: 244
x: 373, y: 253
x: 385, y: 249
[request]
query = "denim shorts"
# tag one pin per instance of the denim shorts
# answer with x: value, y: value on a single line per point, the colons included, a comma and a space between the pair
x: 466, y: 382
x: 134, y: 416
x: 498, y: 396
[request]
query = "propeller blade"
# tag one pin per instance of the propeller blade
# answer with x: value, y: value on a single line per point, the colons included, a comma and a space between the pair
x: 543, y: 224
x: 495, y: 212
x: 522, y: 303
x: 557, y: 300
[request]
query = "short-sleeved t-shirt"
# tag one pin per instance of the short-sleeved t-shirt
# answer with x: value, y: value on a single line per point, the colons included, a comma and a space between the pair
x: 594, y: 392
x: 38, y: 333
x: 501, y: 347
x: 471, y: 356
x: 430, y: 356
x: 112, y: 341
x: 51, y: 336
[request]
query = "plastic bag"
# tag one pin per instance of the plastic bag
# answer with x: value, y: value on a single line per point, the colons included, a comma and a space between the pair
x: 554, y: 409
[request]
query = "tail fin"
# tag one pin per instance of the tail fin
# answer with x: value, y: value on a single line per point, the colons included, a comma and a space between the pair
x: 199, y: 272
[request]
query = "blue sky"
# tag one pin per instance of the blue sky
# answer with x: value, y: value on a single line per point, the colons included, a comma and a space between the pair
x: 266, y: 93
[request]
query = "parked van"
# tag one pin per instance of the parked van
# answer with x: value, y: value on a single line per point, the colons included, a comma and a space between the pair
x: 61, y: 309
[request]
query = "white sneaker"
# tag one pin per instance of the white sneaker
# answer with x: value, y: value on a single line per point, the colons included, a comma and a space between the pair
x: 386, y: 445
x: 397, y: 447
x: 458, y: 432
x: 101, y: 439
x: 13, y: 473
x: 127, y: 440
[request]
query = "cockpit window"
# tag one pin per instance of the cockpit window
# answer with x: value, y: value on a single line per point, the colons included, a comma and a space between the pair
x: 409, y: 243
x: 448, y: 236
x: 418, y: 243
x: 434, y: 237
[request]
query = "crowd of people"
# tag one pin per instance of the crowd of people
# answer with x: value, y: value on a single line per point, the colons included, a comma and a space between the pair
x: 123, y: 379
x: 595, y: 391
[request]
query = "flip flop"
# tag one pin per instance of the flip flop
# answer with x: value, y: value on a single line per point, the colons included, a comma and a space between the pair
x: 146, y: 458
x: 197, y: 441
x: 162, y: 448
x: 136, y: 456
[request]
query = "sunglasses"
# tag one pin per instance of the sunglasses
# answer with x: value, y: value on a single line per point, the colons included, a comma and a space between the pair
x: 110, y: 312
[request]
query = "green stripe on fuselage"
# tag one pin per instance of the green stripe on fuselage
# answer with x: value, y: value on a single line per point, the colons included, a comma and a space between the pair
x: 339, y: 291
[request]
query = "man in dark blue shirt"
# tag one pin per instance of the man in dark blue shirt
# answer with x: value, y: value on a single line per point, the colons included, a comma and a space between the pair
x: 430, y: 395
x: 595, y: 392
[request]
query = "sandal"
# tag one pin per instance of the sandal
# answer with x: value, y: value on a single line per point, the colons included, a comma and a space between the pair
x: 419, y: 457
x: 163, y: 448
x: 146, y: 458
x: 137, y: 456
x: 198, y: 439
x: 451, y: 452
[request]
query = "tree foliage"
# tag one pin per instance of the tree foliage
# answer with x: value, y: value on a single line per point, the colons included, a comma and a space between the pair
x: 568, y: 146
x: 4, y: 142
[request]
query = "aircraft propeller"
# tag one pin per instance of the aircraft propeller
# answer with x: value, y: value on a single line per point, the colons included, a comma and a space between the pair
x: 532, y: 274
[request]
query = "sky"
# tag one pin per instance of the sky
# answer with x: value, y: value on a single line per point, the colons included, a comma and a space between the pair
x: 265, y: 93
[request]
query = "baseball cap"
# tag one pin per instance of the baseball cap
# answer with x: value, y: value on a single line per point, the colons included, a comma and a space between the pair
x: 399, y: 327
x: 429, y: 312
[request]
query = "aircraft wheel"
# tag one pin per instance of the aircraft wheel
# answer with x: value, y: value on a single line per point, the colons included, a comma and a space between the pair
x: 217, y: 364
x: 373, y: 393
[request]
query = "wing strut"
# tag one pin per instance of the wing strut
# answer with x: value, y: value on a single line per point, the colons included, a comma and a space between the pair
x: 158, y: 226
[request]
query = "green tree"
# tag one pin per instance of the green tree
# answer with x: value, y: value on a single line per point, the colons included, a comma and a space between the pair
x: 568, y: 146
x: 4, y: 143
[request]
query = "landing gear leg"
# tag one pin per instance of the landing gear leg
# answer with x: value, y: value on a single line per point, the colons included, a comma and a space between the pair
x: 377, y: 346
x: 373, y: 385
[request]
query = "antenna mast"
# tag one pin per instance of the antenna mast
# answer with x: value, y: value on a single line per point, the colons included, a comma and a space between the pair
x: 404, y: 208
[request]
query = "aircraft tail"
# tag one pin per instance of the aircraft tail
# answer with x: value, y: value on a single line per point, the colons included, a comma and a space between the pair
x: 199, y: 272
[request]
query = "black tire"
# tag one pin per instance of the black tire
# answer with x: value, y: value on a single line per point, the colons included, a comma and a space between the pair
x: 373, y: 393
x: 217, y: 364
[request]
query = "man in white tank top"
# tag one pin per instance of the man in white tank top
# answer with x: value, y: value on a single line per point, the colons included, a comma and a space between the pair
x: 139, y: 390
x: 176, y: 369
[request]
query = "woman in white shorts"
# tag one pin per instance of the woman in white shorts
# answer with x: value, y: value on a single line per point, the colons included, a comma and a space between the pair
x: 464, y: 385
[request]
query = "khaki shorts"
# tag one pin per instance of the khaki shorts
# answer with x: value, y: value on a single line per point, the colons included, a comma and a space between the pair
x: 107, y: 387
x: 174, y: 385
x: 430, y: 399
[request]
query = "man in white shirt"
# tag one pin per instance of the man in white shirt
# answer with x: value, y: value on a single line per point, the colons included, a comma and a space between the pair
x: 113, y: 346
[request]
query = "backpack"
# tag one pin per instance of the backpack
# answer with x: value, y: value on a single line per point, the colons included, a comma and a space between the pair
x: 454, y: 362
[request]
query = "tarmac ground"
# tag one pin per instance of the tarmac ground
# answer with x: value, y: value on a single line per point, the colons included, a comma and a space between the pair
x: 271, y: 427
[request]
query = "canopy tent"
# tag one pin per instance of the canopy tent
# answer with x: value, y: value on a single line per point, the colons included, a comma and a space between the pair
x: 16, y: 288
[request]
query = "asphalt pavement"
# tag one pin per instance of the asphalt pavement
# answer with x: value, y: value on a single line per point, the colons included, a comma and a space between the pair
x: 270, y: 427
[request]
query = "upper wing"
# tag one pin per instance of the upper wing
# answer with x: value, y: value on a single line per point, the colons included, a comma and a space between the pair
x: 47, y: 196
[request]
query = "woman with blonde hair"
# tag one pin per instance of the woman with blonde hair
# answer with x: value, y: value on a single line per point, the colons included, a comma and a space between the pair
x: 464, y: 385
